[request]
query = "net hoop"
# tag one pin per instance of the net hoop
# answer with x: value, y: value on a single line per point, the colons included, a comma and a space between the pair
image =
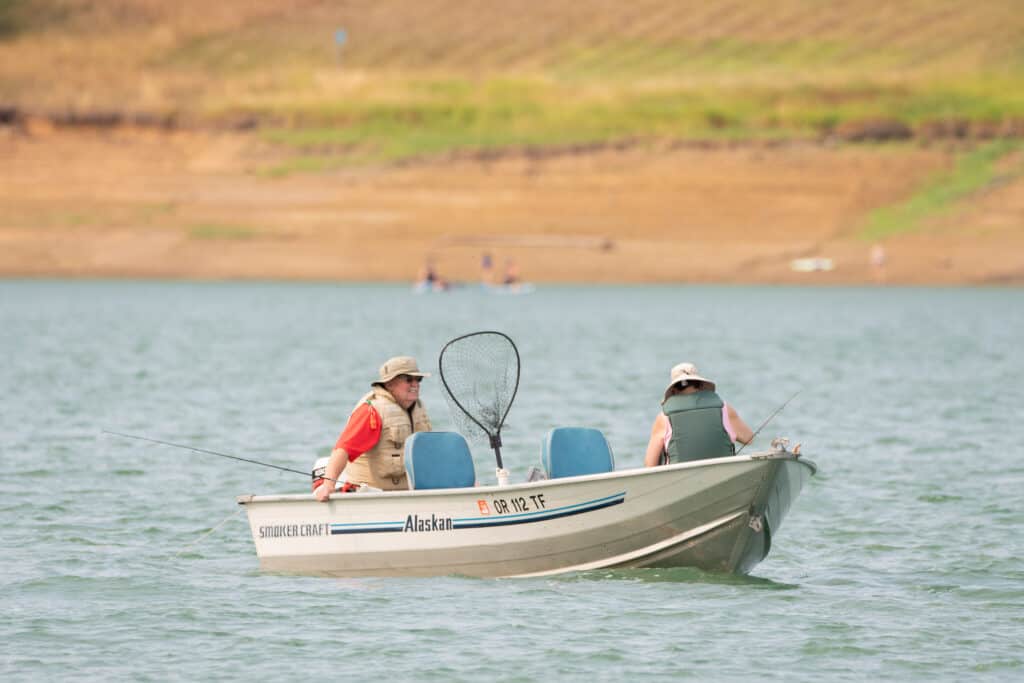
x: 493, y: 431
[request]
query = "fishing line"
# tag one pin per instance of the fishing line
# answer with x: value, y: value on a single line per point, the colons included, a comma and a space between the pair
x: 208, y: 452
x: 225, y: 521
x: 777, y: 411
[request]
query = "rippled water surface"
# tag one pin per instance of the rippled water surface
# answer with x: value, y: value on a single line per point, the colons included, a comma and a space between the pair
x: 901, y: 559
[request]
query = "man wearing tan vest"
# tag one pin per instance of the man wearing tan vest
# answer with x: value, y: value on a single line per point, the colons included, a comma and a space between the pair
x: 371, y: 448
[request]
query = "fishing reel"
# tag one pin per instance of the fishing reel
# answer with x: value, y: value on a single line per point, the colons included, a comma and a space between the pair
x: 780, y: 443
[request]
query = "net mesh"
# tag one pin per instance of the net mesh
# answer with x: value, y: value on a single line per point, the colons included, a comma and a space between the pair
x: 480, y: 373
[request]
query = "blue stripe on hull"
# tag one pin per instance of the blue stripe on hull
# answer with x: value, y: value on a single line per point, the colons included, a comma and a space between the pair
x: 505, y: 521
x: 479, y: 522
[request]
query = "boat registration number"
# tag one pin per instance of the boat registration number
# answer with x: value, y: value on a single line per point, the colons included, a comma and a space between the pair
x: 504, y: 506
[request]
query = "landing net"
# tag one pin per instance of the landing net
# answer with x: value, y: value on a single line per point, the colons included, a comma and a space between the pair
x: 480, y: 373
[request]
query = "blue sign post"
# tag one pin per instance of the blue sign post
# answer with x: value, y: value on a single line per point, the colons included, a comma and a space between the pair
x: 340, y: 36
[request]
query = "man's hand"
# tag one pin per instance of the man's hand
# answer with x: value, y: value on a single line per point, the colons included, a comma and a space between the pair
x: 323, y: 491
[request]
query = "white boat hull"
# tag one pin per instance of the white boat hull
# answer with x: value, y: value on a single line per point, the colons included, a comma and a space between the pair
x: 717, y: 515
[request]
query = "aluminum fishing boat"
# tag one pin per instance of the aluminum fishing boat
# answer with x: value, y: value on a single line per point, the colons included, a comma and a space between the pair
x: 719, y: 514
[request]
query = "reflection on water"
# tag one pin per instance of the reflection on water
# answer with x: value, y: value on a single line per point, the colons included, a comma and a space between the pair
x: 678, y: 575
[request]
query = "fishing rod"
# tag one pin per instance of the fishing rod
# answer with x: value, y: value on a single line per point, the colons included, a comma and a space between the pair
x: 208, y: 452
x: 777, y: 411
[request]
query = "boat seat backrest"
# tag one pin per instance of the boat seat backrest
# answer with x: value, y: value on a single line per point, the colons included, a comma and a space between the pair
x: 438, y: 460
x: 574, y: 451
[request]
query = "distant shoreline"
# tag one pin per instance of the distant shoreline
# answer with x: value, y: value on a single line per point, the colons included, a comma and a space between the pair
x: 187, y: 205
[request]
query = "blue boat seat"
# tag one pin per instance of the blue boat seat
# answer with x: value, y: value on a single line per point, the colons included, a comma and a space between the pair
x: 574, y: 451
x: 438, y: 460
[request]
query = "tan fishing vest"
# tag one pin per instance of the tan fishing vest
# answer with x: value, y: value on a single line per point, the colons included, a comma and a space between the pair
x: 383, y: 466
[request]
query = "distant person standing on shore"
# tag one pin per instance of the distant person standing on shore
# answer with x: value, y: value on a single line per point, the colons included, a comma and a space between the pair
x: 486, y: 269
x: 876, y: 258
x: 511, y: 273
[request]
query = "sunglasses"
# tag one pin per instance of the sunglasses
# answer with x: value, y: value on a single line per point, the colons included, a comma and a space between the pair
x: 410, y: 378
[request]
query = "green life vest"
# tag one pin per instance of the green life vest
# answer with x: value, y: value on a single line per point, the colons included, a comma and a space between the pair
x: 697, y: 430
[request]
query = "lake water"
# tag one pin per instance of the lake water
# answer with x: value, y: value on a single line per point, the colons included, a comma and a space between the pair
x: 902, y: 559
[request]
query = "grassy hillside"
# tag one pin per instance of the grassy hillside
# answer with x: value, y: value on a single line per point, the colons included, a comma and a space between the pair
x: 431, y: 76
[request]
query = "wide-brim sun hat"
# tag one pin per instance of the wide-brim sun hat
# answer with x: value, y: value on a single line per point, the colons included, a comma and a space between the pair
x: 686, y: 372
x: 399, y: 365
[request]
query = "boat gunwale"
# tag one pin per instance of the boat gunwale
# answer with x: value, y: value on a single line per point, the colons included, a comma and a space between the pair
x: 543, y: 483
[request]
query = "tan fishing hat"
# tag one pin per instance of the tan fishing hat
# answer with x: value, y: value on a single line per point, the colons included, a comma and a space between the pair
x: 399, y: 365
x: 687, y: 372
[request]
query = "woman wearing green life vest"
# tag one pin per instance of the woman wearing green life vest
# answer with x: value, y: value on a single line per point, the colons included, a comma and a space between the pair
x: 695, y: 423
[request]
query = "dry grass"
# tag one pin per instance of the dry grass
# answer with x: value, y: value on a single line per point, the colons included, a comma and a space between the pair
x: 191, y: 55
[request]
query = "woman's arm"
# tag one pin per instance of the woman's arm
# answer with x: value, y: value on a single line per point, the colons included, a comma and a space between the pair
x: 656, y: 445
x: 743, y: 432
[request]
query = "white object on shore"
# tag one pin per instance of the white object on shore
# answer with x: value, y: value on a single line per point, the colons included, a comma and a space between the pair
x: 811, y: 265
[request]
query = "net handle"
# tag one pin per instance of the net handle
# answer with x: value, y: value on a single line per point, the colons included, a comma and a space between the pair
x: 496, y: 436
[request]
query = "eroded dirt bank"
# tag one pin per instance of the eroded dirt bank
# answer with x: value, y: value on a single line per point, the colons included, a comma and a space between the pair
x: 148, y: 203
